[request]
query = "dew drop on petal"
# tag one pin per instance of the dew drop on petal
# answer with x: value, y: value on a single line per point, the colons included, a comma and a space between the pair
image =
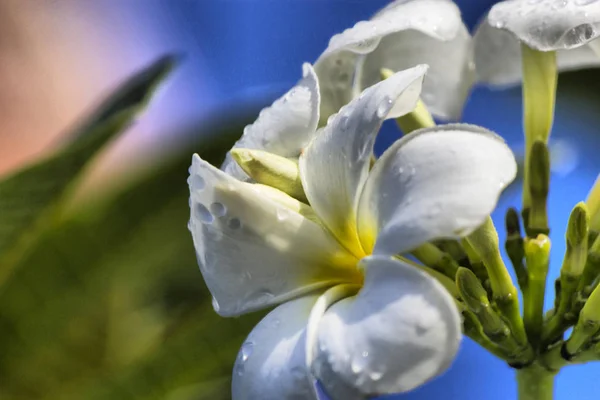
x: 218, y: 209
x: 384, y: 107
x: 215, y: 304
x: 358, y: 364
x: 584, y: 2
x: 376, y: 375
x: 234, y: 223
x: 197, y: 182
x: 281, y: 215
x: 246, y: 351
x: 203, y: 213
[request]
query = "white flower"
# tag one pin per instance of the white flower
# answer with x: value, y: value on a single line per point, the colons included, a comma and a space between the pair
x: 403, y: 34
x: 362, y: 321
x: 284, y: 128
x: 569, y: 27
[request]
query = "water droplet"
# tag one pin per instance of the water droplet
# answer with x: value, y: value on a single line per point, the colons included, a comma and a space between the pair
x: 215, y: 304
x: 198, y: 182
x: 263, y: 296
x: 384, y: 107
x: 218, y: 209
x: 358, y: 364
x: 344, y: 122
x: 376, y: 375
x: 276, y: 323
x: 246, y: 351
x: 282, y: 215
x: 534, y: 1
x: 558, y: 4
x: 203, y: 213
x: 584, y: 2
x: 365, y: 354
x: 234, y: 223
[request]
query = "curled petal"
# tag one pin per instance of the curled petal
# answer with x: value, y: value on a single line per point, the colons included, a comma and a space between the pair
x: 401, y: 330
x: 435, y: 183
x: 271, y: 363
x: 256, y: 249
x: 285, y: 127
x: 548, y: 25
x: 498, y: 56
x: 335, y: 165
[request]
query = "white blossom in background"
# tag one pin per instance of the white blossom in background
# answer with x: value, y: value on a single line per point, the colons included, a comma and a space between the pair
x: 400, y: 36
x: 351, y: 313
x: 569, y: 27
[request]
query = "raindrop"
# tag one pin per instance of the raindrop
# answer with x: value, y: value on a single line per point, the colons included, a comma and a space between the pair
x: 234, y: 223
x: 384, y: 107
x: 203, y: 213
x: 584, y: 2
x: 198, y: 182
x: 215, y: 304
x: 376, y: 375
x: 264, y: 296
x: 246, y: 351
x: 358, y: 364
x: 534, y: 1
x: 558, y: 4
x: 281, y: 214
x: 276, y: 323
x: 218, y: 209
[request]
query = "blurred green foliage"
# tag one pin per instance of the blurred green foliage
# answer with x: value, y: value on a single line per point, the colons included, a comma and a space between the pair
x: 106, y: 302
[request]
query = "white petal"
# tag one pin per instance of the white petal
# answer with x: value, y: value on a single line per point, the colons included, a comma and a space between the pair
x: 435, y: 183
x: 285, y: 127
x: 498, y: 56
x: 254, y: 251
x: 432, y: 33
x: 271, y: 363
x: 335, y: 165
x: 548, y: 25
x: 400, y: 36
x: 400, y: 331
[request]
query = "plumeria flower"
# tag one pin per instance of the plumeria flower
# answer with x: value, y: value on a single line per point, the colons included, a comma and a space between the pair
x: 568, y: 28
x: 531, y: 41
x: 400, y: 36
x: 351, y: 313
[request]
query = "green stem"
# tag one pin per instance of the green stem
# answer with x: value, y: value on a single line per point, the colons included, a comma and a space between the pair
x: 535, y: 383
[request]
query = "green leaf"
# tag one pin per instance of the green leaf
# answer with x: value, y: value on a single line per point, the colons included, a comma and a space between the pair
x: 110, y: 303
x: 31, y: 198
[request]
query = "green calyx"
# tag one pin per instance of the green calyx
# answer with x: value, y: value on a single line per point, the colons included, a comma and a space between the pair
x: 271, y: 170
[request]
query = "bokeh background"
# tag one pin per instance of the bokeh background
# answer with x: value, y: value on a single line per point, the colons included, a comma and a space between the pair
x: 111, y: 304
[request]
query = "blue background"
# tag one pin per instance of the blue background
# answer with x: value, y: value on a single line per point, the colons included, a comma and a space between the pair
x: 250, y: 51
